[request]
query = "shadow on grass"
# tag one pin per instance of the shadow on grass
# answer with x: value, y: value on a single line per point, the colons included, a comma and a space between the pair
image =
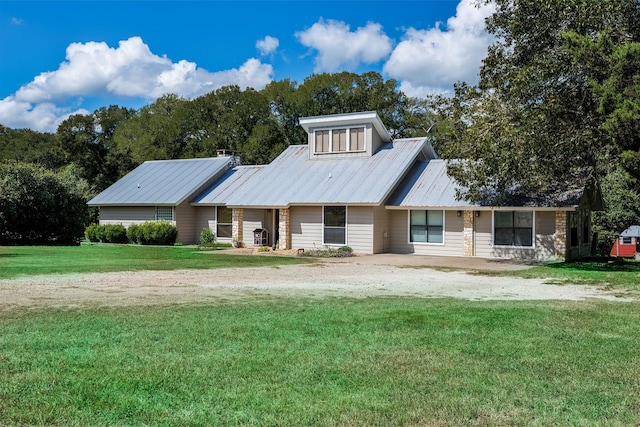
x: 599, y: 264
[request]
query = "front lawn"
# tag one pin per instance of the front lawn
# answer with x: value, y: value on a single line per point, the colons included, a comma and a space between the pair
x: 29, y: 260
x: 366, y: 362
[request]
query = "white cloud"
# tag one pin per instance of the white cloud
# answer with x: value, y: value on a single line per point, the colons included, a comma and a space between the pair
x: 267, y: 45
x: 340, y: 47
x: 130, y: 70
x: 431, y: 61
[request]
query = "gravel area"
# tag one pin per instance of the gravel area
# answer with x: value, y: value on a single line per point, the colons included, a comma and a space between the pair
x: 358, y: 277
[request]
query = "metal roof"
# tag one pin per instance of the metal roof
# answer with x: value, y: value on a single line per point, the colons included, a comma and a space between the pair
x: 294, y: 179
x: 162, y: 182
x: 427, y: 185
x: 227, y: 185
x: 633, y: 231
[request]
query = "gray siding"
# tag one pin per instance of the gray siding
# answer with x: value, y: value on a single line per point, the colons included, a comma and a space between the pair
x: 205, y: 218
x: 381, y: 232
x: 360, y: 229
x: 186, y: 223
x: 126, y: 215
x: 306, y: 227
x: 453, y: 237
x: 252, y: 219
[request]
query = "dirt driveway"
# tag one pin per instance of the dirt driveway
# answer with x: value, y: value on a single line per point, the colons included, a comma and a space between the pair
x: 358, y: 277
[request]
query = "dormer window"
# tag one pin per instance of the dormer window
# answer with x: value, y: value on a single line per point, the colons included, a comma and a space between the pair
x: 341, y: 140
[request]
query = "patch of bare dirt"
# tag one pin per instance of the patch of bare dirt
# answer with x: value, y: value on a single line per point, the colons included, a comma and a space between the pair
x: 359, y: 277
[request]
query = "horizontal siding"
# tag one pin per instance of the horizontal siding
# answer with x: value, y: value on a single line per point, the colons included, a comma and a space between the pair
x: 205, y: 218
x: 360, y: 229
x: 126, y: 215
x: 544, y: 239
x: 453, y: 237
x: 306, y: 227
x: 185, y: 216
x: 252, y: 219
x: 381, y: 234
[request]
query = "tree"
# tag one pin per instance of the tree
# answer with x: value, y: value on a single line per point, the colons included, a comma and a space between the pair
x: 38, y: 206
x: 28, y: 146
x: 88, y: 142
x: 534, y: 124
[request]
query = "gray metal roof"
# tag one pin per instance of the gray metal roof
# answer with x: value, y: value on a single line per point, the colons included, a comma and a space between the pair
x: 227, y: 185
x: 294, y: 179
x: 427, y: 185
x: 162, y: 182
x: 633, y: 231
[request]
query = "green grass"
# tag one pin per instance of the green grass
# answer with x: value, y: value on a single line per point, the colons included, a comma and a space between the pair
x: 623, y: 274
x: 30, y: 260
x: 332, y: 362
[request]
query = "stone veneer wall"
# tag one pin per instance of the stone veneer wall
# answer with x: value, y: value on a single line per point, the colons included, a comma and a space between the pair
x: 237, y: 223
x: 467, y: 233
x: 284, y: 229
x: 560, y: 240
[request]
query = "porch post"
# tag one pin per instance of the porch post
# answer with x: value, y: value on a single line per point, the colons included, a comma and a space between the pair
x: 561, y: 235
x: 237, y: 222
x: 284, y: 229
x: 467, y: 233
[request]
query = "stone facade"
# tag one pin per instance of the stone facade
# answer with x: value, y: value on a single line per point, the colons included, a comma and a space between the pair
x: 467, y: 232
x: 237, y: 222
x: 561, y: 243
x: 284, y: 229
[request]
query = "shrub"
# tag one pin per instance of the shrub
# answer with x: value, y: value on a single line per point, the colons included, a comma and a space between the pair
x: 92, y: 233
x: 207, y: 236
x: 158, y: 233
x: 114, y: 233
x: 341, y: 252
x: 264, y: 249
x: 134, y: 233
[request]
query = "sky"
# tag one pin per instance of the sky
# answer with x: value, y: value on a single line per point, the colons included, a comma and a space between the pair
x: 59, y: 58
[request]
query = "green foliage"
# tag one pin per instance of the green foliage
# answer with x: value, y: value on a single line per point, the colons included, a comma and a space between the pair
x: 158, y: 233
x: 264, y: 249
x: 535, y: 122
x: 361, y: 362
x: 38, y: 206
x: 134, y: 233
x: 93, y: 232
x: 341, y: 252
x: 207, y: 236
x: 115, y: 233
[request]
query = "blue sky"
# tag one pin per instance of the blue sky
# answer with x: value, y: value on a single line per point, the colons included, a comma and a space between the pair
x: 60, y: 58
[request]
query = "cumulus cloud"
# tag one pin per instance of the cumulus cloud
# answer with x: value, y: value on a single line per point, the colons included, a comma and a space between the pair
x: 340, y: 47
x: 267, y: 45
x: 129, y: 70
x: 432, y: 60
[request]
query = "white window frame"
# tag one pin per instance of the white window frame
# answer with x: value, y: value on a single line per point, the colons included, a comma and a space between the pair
x: 162, y: 216
x: 533, y: 229
x: 444, y: 227
x: 346, y: 222
x: 331, y: 150
x: 626, y: 240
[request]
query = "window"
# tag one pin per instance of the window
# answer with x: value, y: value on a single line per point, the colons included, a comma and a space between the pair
x: 223, y: 226
x: 335, y: 221
x: 164, y: 213
x: 627, y: 241
x: 513, y: 228
x: 426, y: 226
x: 340, y: 140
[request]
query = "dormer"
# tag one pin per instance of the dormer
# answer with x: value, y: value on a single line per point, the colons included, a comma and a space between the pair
x: 345, y: 135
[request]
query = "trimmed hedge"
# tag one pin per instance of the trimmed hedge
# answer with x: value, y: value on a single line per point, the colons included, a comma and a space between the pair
x: 149, y: 233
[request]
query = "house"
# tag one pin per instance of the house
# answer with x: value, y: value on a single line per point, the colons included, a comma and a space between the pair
x: 161, y: 190
x: 353, y: 185
x: 628, y: 243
